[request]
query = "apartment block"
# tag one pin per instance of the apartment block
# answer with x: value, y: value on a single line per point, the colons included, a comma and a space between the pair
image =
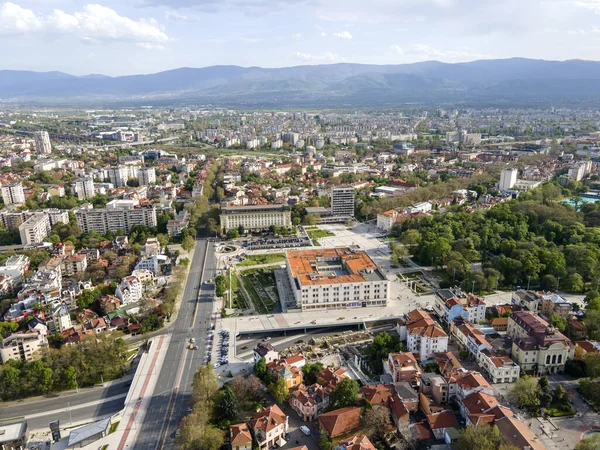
x: 423, y: 335
x: 42, y: 142
x: 84, y: 188
x: 342, y: 201
x: 22, y: 346
x: 13, y: 193
x: 146, y: 176
x: 452, y: 303
x: 101, y: 220
x: 35, y: 229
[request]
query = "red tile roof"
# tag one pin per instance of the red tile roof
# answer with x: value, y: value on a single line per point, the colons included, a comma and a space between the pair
x: 340, y: 421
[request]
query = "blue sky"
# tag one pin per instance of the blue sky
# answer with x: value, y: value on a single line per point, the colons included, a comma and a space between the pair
x: 145, y: 36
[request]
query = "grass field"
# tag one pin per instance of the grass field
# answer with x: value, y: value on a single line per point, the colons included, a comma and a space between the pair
x: 259, y: 284
x: 316, y: 234
x: 268, y: 258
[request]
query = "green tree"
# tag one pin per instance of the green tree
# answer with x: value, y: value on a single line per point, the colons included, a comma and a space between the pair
x: 526, y: 393
x: 592, y: 365
x: 345, y: 393
x: 558, y: 322
x: 10, y: 383
x: 204, y: 387
x: 481, y: 437
x: 188, y: 243
x: 232, y: 234
x: 325, y: 442
x: 589, y: 443
x: 278, y: 389
x: 310, y: 371
x: 260, y: 368
x: 220, y: 285
x: 226, y: 407
x: 70, y: 377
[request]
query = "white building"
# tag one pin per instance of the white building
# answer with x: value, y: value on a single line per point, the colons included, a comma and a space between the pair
x: 498, y: 365
x: 129, y: 290
x: 42, y: 142
x: 117, y: 217
x: 146, y: 176
x: 508, y: 178
x: 119, y: 175
x: 342, y: 201
x: 15, y: 267
x: 386, y: 220
x: 13, y: 193
x: 423, y: 335
x: 35, y: 229
x: 22, y: 346
x: 335, y: 279
x: 84, y: 188
x: 452, y: 303
x: 255, y: 217
x: 580, y: 170
x: 56, y: 215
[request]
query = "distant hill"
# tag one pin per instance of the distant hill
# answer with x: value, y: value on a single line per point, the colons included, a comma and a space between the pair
x: 515, y: 81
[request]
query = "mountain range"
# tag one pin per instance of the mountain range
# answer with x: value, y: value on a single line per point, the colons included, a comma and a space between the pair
x: 502, y: 82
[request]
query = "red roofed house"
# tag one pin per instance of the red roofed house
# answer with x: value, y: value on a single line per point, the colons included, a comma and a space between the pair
x: 270, y: 427
x: 377, y: 395
x: 440, y: 421
x: 355, y: 443
x: 402, y: 367
x: 400, y: 414
x: 331, y: 377
x: 309, y: 401
x: 240, y: 437
x: 423, y: 335
x: 340, y: 421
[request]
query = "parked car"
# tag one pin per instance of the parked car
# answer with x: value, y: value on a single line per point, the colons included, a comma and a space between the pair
x: 305, y: 430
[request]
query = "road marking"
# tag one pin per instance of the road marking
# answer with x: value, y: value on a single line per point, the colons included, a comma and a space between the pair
x: 139, y: 402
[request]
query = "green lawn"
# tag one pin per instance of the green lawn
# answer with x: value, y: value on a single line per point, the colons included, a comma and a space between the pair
x: 318, y: 234
x: 269, y: 258
x: 263, y: 279
x: 113, y: 427
x: 560, y: 410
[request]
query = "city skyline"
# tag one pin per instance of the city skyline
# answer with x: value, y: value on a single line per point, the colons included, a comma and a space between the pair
x: 155, y: 35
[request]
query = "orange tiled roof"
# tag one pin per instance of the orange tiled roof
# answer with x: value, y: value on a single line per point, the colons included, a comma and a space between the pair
x: 357, y: 443
x: 340, y: 421
x: 268, y: 419
x: 443, y: 419
x: 377, y: 395
x: 240, y: 434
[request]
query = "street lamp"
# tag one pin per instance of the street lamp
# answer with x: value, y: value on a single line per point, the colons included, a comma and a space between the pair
x: 528, y: 281
x: 557, y: 283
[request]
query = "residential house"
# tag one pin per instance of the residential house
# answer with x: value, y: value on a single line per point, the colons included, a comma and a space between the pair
x: 452, y: 303
x: 240, y: 437
x: 499, y: 324
x: 22, y: 346
x: 538, y: 347
x: 402, y: 367
x: 267, y: 351
x: 269, y: 426
x: 355, y: 443
x: 447, y: 363
x: 400, y: 414
x: 473, y: 405
x: 340, y: 421
x: 330, y: 377
x: 470, y: 383
x: 129, y: 290
x: 97, y: 325
x: 498, y: 366
x: 309, y: 401
x: 295, y: 361
x: 423, y: 335
x: 553, y: 303
x: 74, y: 264
x: 109, y: 303
x: 290, y: 374
x: 436, y: 387
x: 582, y: 348
x: 378, y: 395
x: 409, y: 397
x: 440, y: 421
x: 59, y: 318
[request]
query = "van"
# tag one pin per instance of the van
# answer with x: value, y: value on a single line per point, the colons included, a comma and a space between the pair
x: 305, y: 430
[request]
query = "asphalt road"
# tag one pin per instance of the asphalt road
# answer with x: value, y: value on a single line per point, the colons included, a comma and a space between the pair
x: 43, y: 411
x: 168, y: 406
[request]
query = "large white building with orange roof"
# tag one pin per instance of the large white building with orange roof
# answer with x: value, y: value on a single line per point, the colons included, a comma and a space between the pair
x: 335, y: 278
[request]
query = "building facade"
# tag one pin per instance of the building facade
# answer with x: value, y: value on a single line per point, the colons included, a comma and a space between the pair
x: 35, y: 229
x: 146, y: 176
x: 42, y: 142
x: 342, y: 201
x: 84, y: 188
x: 255, y: 217
x: 101, y: 220
x: 335, y: 278
x: 13, y: 193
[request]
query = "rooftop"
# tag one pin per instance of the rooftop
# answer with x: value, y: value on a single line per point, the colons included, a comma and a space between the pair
x: 334, y: 265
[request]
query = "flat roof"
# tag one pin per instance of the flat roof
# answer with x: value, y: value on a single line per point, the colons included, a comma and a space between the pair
x: 10, y: 432
x: 88, y: 431
x: 332, y: 266
x: 252, y: 208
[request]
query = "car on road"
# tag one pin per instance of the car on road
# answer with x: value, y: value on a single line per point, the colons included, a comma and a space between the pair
x: 244, y: 347
x: 305, y: 430
x: 300, y: 341
x: 192, y: 340
x: 216, y: 365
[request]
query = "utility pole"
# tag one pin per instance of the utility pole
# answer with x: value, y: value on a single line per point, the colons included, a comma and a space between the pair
x: 454, y: 278
x: 558, y: 283
x: 473, y: 290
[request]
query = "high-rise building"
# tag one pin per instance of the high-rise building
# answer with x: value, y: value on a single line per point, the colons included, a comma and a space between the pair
x: 121, y: 218
x: 118, y: 175
x: 42, y: 142
x: 508, y: 178
x: 84, y: 188
x: 342, y: 201
x: 13, y: 193
x: 146, y: 176
x: 35, y: 229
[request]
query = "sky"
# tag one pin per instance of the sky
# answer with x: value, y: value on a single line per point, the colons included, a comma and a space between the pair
x: 145, y: 36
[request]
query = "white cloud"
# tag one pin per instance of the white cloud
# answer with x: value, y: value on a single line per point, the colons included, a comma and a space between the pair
x: 323, y: 34
x: 93, y: 23
x: 426, y: 52
x: 317, y: 59
x: 175, y: 16
x: 296, y: 35
x: 396, y: 49
x: 343, y: 35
